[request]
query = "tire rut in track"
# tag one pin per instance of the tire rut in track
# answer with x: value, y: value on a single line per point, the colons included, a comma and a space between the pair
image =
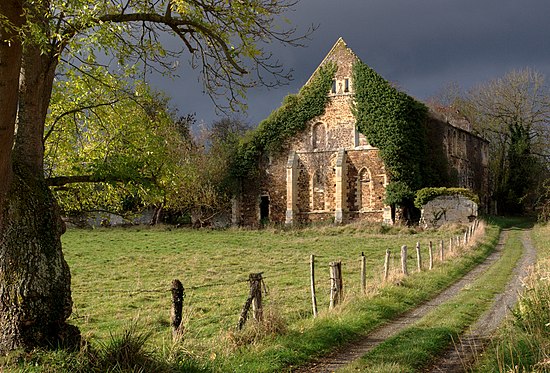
x: 354, y: 350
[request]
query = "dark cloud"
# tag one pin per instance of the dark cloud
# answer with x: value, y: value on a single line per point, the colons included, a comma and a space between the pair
x: 422, y: 45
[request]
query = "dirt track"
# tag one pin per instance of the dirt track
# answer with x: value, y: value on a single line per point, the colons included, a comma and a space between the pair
x: 454, y: 360
x: 475, y: 339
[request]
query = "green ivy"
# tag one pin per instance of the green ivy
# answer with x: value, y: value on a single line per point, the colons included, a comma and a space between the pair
x: 425, y: 195
x: 395, y: 123
x: 397, y: 192
x: 274, y: 132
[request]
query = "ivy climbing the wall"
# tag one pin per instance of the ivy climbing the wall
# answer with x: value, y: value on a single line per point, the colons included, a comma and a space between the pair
x: 274, y: 132
x: 395, y: 123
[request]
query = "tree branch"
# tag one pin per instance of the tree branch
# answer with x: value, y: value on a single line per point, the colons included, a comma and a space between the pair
x: 74, y: 111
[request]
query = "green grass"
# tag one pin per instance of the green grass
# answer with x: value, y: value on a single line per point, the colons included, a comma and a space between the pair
x: 120, y: 275
x: 121, y: 278
x: 416, y: 347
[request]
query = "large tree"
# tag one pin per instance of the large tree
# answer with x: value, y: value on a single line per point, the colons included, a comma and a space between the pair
x: 223, y: 39
x: 513, y: 113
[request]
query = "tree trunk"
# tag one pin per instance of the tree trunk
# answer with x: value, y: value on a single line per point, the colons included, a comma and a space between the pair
x: 35, y: 294
x: 10, y: 64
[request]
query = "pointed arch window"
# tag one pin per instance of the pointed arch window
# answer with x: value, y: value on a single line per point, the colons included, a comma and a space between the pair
x: 365, y: 189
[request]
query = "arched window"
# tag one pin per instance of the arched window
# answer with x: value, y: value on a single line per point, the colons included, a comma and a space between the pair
x: 318, y: 136
x: 365, y: 189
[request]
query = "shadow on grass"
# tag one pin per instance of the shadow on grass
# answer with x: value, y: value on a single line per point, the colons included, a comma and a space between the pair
x: 512, y: 222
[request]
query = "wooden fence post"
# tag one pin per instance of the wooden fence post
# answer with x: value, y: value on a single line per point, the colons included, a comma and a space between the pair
x: 418, y: 257
x: 387, y: 265
x: 465, y: 238
x: 177, y: 306
x: 257, y: 308
x: 431, y: 252
x: 404, y: 260
x: 451, y: 245
x: 313, y: 296
x: 441, y: 251
x: 255, y: 295
x: 363, y: 273
x: 335, y: 284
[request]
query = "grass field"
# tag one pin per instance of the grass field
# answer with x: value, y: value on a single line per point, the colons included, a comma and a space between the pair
x: 121, y: 280
x: 121, y: 277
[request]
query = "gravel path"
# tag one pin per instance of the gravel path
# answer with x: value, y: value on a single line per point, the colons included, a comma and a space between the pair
x: 358, y: 348
x: 460, y: 356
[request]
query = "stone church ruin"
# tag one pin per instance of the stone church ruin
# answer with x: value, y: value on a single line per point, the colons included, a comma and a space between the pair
x: 329, y: 171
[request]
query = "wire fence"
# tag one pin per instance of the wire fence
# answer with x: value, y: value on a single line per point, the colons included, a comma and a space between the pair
x: 391, y: 268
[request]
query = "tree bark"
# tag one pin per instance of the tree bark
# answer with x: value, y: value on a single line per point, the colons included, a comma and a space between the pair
x: 35, y: 294
x: 10, y: 64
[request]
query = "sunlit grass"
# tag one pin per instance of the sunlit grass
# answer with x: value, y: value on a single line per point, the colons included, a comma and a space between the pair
x: 122, y: 277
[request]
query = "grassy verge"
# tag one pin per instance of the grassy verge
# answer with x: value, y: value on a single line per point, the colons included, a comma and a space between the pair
x: 523, y: 344
x: 415, y: 347
x: 121, y: 279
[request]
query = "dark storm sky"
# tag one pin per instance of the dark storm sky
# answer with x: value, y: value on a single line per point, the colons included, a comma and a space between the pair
x: 422, y: 45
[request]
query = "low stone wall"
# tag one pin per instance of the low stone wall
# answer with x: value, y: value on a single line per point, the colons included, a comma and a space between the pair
x: 448, y: 209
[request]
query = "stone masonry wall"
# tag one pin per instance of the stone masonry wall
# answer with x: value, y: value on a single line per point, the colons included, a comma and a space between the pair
x: 448, y: 209
x: 465, y: 155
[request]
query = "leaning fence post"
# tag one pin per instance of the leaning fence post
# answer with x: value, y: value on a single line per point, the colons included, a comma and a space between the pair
x: 431, y: 256
x: 404, y: 260
x: 363, y: 273
x: 313, y: 296
x: 177, y: 306
x: 255, y: 294
x: 418, y: 257
x: 335, y: 284
x: 257, y: 308
x: 387, y: 265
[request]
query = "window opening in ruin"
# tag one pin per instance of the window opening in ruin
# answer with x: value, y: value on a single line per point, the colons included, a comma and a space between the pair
x: 364, y: 189
x: 318, y: 195
x: 333, y: 90
x: 346, y: 85
x: 264, y: 209
x: 318, y: 136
